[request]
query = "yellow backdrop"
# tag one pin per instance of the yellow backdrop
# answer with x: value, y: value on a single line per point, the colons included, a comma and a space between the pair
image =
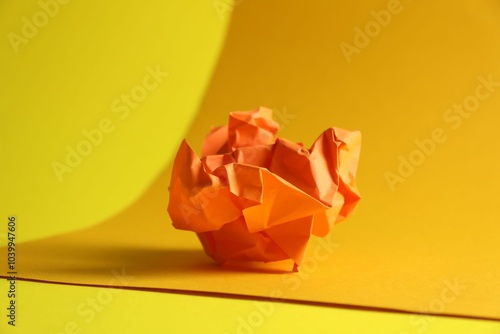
x: 95, y: 98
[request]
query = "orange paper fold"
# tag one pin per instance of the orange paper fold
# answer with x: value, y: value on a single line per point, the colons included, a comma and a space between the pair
x: 256, y: 197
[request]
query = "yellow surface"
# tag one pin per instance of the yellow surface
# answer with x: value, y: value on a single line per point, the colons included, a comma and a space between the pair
x: 364, y: 271
x: 72, y: 307
x: 438, y: 224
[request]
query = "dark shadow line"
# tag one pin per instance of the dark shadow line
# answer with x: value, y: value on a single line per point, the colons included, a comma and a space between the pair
x: 268, y: 299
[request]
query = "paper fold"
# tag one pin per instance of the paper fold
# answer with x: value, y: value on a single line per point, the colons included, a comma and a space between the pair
x: 253, y: 196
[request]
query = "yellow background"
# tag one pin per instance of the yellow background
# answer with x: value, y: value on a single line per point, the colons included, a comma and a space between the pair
x: 66, y: 77
x: 64, y: 81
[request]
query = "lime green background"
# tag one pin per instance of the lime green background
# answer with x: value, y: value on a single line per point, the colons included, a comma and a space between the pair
x: 64, y: 80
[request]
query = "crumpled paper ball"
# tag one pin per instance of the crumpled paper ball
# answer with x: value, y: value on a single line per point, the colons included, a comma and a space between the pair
x: 253, y: 196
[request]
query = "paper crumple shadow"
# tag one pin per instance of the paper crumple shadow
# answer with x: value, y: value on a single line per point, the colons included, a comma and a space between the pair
x: 141, y: 245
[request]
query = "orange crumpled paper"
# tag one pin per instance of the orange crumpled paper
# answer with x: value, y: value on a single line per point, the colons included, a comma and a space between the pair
x: 254, y: 196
